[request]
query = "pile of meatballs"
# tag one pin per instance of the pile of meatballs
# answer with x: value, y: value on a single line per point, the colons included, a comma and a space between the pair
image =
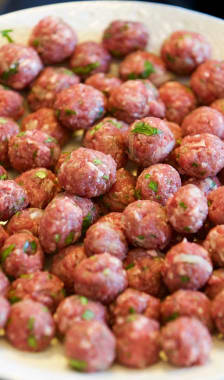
x: 117, y: 247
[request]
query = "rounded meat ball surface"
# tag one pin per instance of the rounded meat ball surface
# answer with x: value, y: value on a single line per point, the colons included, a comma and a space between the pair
x: 187, y: 266
x: 13, y: 198
x: 30, y: 327
x: 176, y: 130
x: 11, y: 104
x: 87, y: 173
x: 4, y: 284
x: 3, y: 236
x: 19, y: 65
x: 100, y: 277
x: 201, y: 155
x: 90, y: 346
x: 103, y: 82
x: 28, y: 219
x: 53, y: 39
x: 217, y: 311
x: 3, y: 173
x: 215, y: 283
x: 218, y: 105
x: 183, y: 51
x: 4, y: 312
x: 206, y: 185
x: 8, y: 128
x: 158, y: 183
x: 216, y: 205
x: 79, y: 106
x: 186, y: 342
x: 214, y: 244
x: 77, y: 308
x: 116, y: 218
x: 204, y: 120
x: 137, y: 341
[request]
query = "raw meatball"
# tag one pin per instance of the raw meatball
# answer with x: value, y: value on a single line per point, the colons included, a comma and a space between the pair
x: 40, y: 184
x: 186, y: 342
x: 177, y: 132
x: 218, y: 105
x: 90, y: 346
x: 87, y: 173
x: 19, y: 65
x: 216, y: 205
x: 21, y: 254
x: 215, y: 283
x: 50, y: 82
x: 11, y: 104
x: 150, y: 141
x: 3, y: 236
x: 204, y: 120
x: 8, y: 128
x: 183, y: 51
x: 116, y: 218
x: 4, y: 284
x: 178, y: 99
x: 100, y: 277
x: 62, y: 158
x: 207, y: 81
x: 79, y: 106
x: 30, y: 326
x: 206, y: 185
x: 4, y: 311
x: 214, y: 244
x: 158, y: 183
x: 137, y: 341
x: 217, y: 311
x: 3, y: 173
x: 187, y: 266
x: 28, y: 219
x: 103, y: 82
x: 53, y: 39
x: 13, y: 198
x: 200, y: 155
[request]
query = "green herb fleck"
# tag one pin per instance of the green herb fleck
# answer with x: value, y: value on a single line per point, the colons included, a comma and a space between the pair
x: 153, y: 186
x: 86, y: 222
x: 36, y: 42
x: 185, y: 279
x: 153, y: 236
x: 132, y: 76
x: 50, y: 139
x: 145, y: 129
x: 97, y: 162
x: 107, y: 35
x: 41, y: 174
x: 57, y: 237
x: 7, y: 252
x: 187, y: 229
x: 209, y: 203
x: 129, y: 266
x: 141, y: 237
x: 20, y: 134
x: 3, y: 120
x: 194, y: 164
x: 131, y: 318
x: 173, y: 316
x: 27, y: 275
x: 95, y: 129
x: 70, y: 112
x: 57, y: 113
x: 69, y: 239
x: 33, y: 246
x: 84, y: 70
x: 45, y: 309
x: 31, y: 322
x: 5, y: 33
x: 170, y: 58
x: 88, y: 315
x: 131, y: 310
x: 13, y: 299
x: 79, y: 365
x: 67, y: 72
x: 83, y: 300
x: 34, y: 154
x: 137, y: 194
x: 183, y: 205
x: 32, y: 342
x: 147, y: 176
x: 106, y: 272
x: 3, y: 176
x: 106, y: 177
x: 13, y: 69
x: 148, y: 70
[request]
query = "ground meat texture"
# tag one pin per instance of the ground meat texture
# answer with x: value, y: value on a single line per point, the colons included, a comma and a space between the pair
x: 90, y: 346
x: 116, y: 218
x: 79, y: 106
x: 3, y: 236
x: 11, y: 104
x: 87, y: 173
x: 187, y: 209
x: 216, y: 205
x: 41, y: 186
x: 4, y: 284
x: 214, y: 243
x: 8, y: 128
x: 21, y: 254
x: 186, y: 342
x: 13, y: 198
x: 103, y: 82
x: 63, y: 157
x: 206, y: 185
x: 4, y: 311
x: 158, y: 183
x: 3, y: 173
x: 178, y: 99
x: 39, y: 286
x: 218, y: 105
x: 76, y: 308
x: 200, y: 156
x: 19, y: 65
x: 187, y: 266
x: 33, y: 149
x: 65, y: 262
x: 217, y: 311
x: 207, y: 81
x: 30, y: 326
x: 183, y: 51
x: 137, y: 341
x: 146, y: 225
x: 176, y: 130
x: 122, y: 193
x: 53, y: 39
x: 122, y: 37
x: 215, y: 283
x: 51, y: 81
x: 60, y: 225
x: 100, y: 277
x: 150, y: 141
x: 28, y: 219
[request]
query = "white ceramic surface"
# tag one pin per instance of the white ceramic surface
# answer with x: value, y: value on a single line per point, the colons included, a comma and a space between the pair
x: 89, y: 19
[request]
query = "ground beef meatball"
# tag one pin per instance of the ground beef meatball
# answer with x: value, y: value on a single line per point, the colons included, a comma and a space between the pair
x: 39, y: 286
x: 28, y: 219
x: 53, y: 39
x: 3, y: 173
x: 207, y: 81
x: 150, y: 141
x: 200, y: 155
x: 65, y: 262
x: 76, y: 308
x: 187, y: 266
x: 79, y: 106
x: 178, y: 99
x: 33, y: 149
x: 62, y: 158
x: 158, y: 183
x: 214, y: 244
x: 218, y: 105
x: 186, y: 342
x: 137, y: 341
x: 19, y: 65
x: 146, y: 225
x: 21, y: 254
x: 30, y: 326
x: 177, y: 132
x: 11, y: 104
x: 87, y: 173
x: 3, y: 236
x: 206, y: 185
x: 183, y: 51
x: 8, y: 128
x: 13, y: 198
x: 116, y: 218
x: 45, y: 88
x: 215, y: 283
x: 108, y: 137
x: 216, y: 205
x: 4, y: 284
x: 90, y: 346
x: 100, y: 277
x: 103, y: 82
x: 41, y: 186
x: 60, y: 225
x: 4, y: 311
x: 217, y: 311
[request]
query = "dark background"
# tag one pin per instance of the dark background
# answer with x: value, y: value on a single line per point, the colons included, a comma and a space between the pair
x: 214, y: 7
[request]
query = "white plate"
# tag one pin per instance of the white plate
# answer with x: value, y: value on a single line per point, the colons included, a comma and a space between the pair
x: 89, y: 19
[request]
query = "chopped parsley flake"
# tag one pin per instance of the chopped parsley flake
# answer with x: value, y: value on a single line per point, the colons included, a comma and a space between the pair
x: 173, y: 316
x: 170, y: 58
x: 57, y: 237
x: 88, y: 315
x: 5, y: 33
x: 7, y: 252
x: 209, y: 203
x: 106, y: 272
x: 153, y: 186
x: 97, y: 162
x: 141, y: 237
x: 147, y: 176
x: 183, y: 205
x: 50, y: 139
x: 131, y: 310
x: 131, y: 318
x: 185, y: 279
x: 86, y: 222
x: 41, y: 174
x: 195, y: 165
x: 95, y: 129
x: 83, y: 300
x: 13, y: 69
x: 31, y: 322
x: 3, y: 120
x: 79, y: 365
x: 106, y: 177
x: 137, y: 194
x: 187, y: 229
x: 36, y: 42
x: 145, y: 129
x: 3, y: 176
x: 129, y: 266
x: 69, y: 239
x: 70, y: 112
x: 32, y: 342
x: 148, y: 70
x: 84, y: 70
